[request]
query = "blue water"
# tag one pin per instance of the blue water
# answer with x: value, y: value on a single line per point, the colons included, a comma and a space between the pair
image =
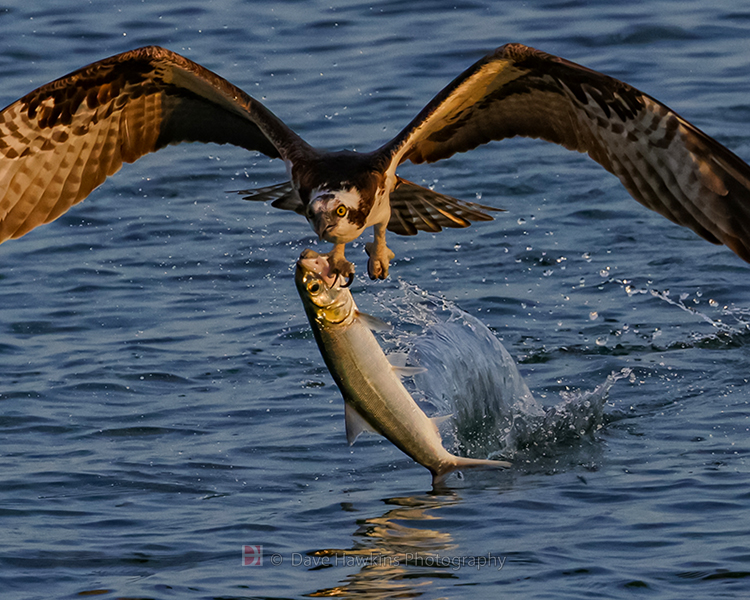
x: 162, y: 402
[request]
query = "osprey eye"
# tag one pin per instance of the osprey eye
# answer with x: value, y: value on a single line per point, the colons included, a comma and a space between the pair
x: 341, y: 210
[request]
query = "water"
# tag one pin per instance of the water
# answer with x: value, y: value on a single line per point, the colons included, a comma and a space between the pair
x: 163, y: 403
x: 479, y: 390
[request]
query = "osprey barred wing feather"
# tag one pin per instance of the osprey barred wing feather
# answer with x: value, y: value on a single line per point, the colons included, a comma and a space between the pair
x: 62, y: 140
x: 415, y: 208
x: 281, y: 195
x: 665, y: 163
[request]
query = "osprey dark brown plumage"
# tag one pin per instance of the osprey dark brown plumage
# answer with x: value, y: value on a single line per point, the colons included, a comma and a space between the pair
x: 62, y: 140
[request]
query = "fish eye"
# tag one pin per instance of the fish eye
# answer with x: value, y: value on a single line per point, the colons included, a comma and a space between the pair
x: 341, y: 210
x: 313, y: 286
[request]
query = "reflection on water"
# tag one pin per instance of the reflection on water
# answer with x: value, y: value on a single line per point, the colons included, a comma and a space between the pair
x: 398, y: 553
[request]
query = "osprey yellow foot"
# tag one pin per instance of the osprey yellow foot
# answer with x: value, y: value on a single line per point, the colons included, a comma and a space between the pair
x: 380, y: 259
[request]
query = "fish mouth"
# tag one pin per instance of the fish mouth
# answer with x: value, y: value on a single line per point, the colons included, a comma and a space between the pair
x: 312, y: 262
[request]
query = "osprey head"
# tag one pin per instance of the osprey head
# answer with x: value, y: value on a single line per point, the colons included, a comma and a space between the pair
x: 337, y: 216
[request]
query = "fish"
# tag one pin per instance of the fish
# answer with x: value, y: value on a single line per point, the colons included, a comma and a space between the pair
x: 375, y: 399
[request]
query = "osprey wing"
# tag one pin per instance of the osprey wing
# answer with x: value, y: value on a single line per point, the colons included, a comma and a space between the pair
x: 665, y: 163
x: 62, y: 140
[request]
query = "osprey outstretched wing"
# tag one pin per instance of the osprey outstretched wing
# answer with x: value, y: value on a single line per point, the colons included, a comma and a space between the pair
x: 666, y: 163
x: 62, y: 140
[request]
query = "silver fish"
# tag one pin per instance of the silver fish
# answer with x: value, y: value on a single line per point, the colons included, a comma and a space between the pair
x: 374, y: 397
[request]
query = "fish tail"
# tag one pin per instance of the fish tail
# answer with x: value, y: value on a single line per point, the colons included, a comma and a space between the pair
x: 459, y: 462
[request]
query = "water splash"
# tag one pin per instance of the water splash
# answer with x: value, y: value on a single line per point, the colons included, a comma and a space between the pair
x: 472, y: 377
x: 731, y: 327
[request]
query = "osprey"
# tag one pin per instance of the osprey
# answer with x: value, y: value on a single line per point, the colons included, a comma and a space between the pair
x: 62, y: 140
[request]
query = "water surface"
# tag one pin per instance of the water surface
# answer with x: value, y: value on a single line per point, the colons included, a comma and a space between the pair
x: 162, y: 402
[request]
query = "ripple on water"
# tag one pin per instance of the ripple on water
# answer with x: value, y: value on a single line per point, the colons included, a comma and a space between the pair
x: 163, y: 402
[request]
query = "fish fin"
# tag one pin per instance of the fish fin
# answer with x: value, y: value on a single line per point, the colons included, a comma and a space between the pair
x: 373, y: 322
x: 438, y: 421
x: 397, y: 359
x: 398, y: 362
x: 355, y: 423
x: 408, y: 371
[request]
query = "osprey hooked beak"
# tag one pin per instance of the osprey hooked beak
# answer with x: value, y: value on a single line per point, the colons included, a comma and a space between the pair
x: 320, y: 223
x: 318, y: 215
